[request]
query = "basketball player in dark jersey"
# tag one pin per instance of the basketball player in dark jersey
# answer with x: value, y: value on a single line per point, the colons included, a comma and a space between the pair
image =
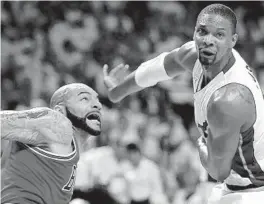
x: 44, y: 145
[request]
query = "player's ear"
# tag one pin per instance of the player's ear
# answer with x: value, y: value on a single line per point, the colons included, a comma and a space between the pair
x: 234, y: 39
x: 60, y: 108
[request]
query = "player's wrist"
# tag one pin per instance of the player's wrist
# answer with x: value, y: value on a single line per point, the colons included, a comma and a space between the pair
x: 151, y: 72
x: 113, y: 96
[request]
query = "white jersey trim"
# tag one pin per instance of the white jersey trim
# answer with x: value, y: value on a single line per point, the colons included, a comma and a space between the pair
x: 243, y: 158
x: 54, y: 156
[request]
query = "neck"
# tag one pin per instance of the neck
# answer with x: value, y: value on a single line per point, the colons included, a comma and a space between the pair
x: 211, y: 71
x: 81, y: 138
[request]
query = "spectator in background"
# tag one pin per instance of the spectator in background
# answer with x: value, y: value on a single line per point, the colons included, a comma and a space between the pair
x: 261, y: 79
x: 144, y: 179
x: 74, y: 36
x: 100, y: 174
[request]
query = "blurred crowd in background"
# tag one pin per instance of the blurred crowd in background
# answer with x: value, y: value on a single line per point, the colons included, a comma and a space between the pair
x: 146, y: 152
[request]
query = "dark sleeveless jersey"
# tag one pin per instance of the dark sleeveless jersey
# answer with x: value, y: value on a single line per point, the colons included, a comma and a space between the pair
x: 34, y: 175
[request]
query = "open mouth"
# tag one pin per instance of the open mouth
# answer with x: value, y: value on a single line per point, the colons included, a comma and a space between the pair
x: 94, y: 116
x: 207, y: 53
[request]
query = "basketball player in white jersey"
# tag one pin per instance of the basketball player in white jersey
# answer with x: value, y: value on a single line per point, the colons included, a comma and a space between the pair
x: 228, y: 103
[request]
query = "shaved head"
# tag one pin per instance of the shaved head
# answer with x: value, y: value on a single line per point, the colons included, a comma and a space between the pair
x: 65, y: 92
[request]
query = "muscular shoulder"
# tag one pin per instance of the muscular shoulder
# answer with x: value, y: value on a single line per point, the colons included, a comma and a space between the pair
x: 232, y: 102
x: 182, y: 58
x: 62, y: 126
x: 232, y: 94
x: 47, y: 113
x: 188, y: 55
x: 52, y: 124
x: 187, y: 48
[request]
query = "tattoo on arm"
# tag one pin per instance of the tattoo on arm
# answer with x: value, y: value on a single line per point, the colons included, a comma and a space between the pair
x: 17, y: 119
x: 22, y: 125
x: 37, y: 125
x: 34, y: 114
x: 22, y: 135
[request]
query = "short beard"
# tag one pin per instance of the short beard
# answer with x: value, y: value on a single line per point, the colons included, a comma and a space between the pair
x: 81, y: 124
x: 205, y: 61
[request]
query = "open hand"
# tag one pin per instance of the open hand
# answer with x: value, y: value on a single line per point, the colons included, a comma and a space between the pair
x: 116, y: 76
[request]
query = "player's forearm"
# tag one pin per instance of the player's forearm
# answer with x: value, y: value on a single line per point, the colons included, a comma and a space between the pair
x: 22, y: 135
x: 16, y: 124
x: 127, y: 87
x: 212, y: 166
x: 35, y: 126
x: 217, y: 167
x: 146, y: 75
x: 165, y: 66
x: 22, y: 119
x: 13, y: 128
x: 11, y: 120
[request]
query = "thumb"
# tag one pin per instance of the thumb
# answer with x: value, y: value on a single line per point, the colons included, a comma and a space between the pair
x: 105, y: 70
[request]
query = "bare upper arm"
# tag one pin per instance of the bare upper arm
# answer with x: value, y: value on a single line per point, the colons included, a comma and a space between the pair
x: 35, y: 126
x: 56, y: 128
x: 232, y: 106
x: 230, y: 111
x: 181, y: 59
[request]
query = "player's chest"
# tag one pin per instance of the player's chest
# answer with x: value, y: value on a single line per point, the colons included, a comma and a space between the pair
x: 202, y: 94
x: 201, y: 99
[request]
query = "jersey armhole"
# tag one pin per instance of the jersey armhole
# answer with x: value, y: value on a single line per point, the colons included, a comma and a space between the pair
x: 48, y: 154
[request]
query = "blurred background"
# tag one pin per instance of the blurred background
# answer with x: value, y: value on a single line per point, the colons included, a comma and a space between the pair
x: 146, y: 153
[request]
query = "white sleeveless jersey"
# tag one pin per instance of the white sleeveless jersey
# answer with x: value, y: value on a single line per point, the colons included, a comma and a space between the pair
x: 248, y: 163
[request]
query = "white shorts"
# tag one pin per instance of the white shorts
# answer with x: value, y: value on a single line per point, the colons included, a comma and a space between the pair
x: 222, y: 195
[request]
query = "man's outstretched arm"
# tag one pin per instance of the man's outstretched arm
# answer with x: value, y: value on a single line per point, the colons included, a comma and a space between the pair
x: 163, y: 67
x: 34, y: 126
x: 230, y: 111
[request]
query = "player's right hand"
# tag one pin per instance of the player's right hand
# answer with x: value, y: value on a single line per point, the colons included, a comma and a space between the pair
x: 116, y: 76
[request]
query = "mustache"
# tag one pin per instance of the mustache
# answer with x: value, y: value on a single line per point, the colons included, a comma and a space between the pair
x: 80, y: 123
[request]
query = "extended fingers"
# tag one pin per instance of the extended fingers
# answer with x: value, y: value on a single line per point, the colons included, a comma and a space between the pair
x: 116, y: 69
x: 121, y: 69
x: 105, y: 70
x: 124, y: 72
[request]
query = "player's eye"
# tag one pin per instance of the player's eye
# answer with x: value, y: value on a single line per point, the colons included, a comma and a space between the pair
x: 220, y: 35
x: 85, y: 99
x: 201, y: 31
